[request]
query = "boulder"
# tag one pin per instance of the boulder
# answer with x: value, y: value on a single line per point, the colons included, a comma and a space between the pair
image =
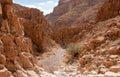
x: 114, y: 50
x: 4, y: 73
x: 32, y: 73
x: 2, y: 59
x: 25, y: 59
x: 115, y: 68
x: 5, y: 27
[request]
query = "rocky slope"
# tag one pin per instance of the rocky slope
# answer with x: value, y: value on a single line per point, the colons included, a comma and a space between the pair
x: 110, y: 9
x: 100, y: 49
x: 73, y: 13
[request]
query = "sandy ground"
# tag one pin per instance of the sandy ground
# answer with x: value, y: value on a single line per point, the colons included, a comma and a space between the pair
x: 52, y: 61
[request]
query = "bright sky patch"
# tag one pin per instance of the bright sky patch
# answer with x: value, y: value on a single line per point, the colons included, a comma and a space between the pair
x: 44, y: 5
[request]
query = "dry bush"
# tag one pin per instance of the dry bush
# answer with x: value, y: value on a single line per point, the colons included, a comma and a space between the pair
x: 72, y: 52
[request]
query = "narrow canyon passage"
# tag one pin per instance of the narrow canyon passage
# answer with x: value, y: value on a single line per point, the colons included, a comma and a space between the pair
x: 79, y: 38
x: 53, y: 64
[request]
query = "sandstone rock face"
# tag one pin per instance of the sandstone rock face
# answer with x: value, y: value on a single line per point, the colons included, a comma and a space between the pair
x: 69, y: 19
x: 36, y: 27
x: 73, y: 12
x: 16, y: 50
x: 67, y: 35
x: 63, y: 7
x: 110, y: 9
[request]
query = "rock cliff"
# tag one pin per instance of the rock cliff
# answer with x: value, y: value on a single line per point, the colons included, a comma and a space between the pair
x: 24, y: 30
x: 67, y: 35
x: 74, y: 12
x: 110, y: 9
x: 36, y: 27
x: 16, y: 50
x: 71, y: 18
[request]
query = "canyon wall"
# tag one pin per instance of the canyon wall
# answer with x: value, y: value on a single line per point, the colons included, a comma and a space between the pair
x: 102, y: 43
x: 110, y: 9
x: 65, y: 36
x: 36, y: 27
x: 71, y: 18
x: 17, y: 50
x: 74, y: 13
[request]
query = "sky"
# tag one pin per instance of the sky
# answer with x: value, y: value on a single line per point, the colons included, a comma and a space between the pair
x: 44, y: 5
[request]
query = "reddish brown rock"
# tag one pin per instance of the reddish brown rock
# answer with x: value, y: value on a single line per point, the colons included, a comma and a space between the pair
x: 110, y: 9
x: 24, y: 44
x: 20, y: 73
x: 25, y: 60
x: 103, y: 43
x: 5, y: 27
x: 36, y: 27
x: 2, y: 59
x: 73, y: 13
x: 1, y: 47
x: 115, y: 68
x: 16, y: 50
x: 7, y: 1
x: 9, y: 45
x: 0, y: 10
x: 114, y: 50
x: 67, y: 35
x: 4, y: 73
x: 16, y: 27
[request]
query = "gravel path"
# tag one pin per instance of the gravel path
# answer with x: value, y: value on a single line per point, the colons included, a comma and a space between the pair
x: 51, y: 61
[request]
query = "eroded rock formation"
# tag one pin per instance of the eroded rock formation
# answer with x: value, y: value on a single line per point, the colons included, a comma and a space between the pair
x: 67, y: 35
x: 100, y: 49
x: 71, y: 18
x: 36, y: 27
x: 110, y: 9
x: 74, y: 12
x: 16, y: 52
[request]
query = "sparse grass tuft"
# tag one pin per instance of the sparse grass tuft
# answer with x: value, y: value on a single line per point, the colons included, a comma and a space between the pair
x: 73, y: 51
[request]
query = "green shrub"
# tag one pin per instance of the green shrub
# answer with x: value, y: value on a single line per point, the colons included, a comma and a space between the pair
x: 72, y: 52
x: 73, y: 49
